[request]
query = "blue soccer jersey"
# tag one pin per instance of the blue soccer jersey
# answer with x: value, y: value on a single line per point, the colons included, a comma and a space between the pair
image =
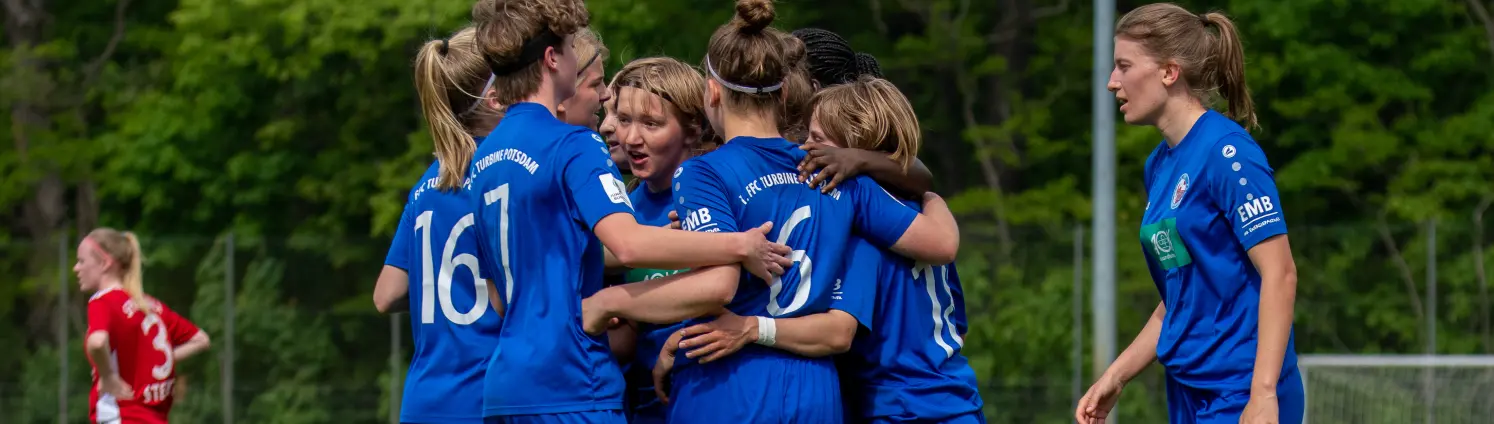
x: 907, y: 366
x: 739, y: 186
x: 650, y: 208
x: 1210, y: 199
x: 539, y: 186
x: 451, y: 324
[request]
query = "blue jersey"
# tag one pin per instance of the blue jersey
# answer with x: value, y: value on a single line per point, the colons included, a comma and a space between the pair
x: 907, y: 366
x: 1210, y: 199
x: 649, y: 208
x: 539, y: 186
x: 739, y: 186
x: 451, y: 323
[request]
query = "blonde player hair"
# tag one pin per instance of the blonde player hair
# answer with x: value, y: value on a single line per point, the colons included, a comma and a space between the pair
x: 123, y: 249
x: 870, y: 114
x: 451, y: 78
x: 1213, y: 63
x: 589, y: 49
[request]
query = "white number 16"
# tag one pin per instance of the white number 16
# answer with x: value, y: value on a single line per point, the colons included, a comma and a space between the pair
x: 442, y: 286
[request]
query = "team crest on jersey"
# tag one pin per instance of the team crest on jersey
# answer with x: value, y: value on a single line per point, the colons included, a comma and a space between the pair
x: 1179, y: 190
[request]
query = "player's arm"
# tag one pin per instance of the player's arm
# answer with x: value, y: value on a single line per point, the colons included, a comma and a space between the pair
x: 196, y: 344
x: 1141, y: 352
x: 931, y: 237
x: 1241, y: 184
x: 815, y: 335
x: 701, y: 291
x: 835, y: 164
x: 393, y: 284
x: 641, y: 246
x: 623, y: 339
x: 97, y: 346
x: 603, y: 205
x: 615, y: 265
x: 96, y: 343
x: 391, y: 290
x: 853, y: 305
x: 1273, y: 259
x: 495, y: 299
x: 186, y: 338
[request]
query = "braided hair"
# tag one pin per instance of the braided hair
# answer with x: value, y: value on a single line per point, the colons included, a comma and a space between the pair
x: 831, y: 59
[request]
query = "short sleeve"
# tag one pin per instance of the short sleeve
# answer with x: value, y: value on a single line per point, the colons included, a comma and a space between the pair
x: 99, y: 315
x: 700, y: 199
x: 592, y: 179
x: 1242, y: 185
x: 399, y: 249
x: 178, y: 328
x: 880, y: 216
x: 856, y: 293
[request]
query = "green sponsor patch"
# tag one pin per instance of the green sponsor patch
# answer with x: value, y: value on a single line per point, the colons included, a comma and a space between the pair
x: 1164, y: 244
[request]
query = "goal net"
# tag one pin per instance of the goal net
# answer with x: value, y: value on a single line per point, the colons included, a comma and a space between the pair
x: 1399, y: 389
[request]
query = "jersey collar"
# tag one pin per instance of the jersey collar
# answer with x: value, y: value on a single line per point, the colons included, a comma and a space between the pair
x: 101, y: 293
x: 523, y: 108
x: 1197, y: 134
x: 756, y: 141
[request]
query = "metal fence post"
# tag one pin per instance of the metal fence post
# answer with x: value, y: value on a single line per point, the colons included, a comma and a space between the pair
x: 1078, y: 307
x: 228, y: 326
x: 62, y: 324
x: 1431, y: 372
x: 394, y: 368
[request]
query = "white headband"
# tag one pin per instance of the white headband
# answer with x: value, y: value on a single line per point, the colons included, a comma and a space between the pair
x: 739, y: 88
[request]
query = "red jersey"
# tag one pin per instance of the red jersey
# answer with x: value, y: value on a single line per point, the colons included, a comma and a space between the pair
x: 141, y: 346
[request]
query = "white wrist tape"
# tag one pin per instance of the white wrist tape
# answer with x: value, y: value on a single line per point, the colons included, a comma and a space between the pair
x: 767, y: 331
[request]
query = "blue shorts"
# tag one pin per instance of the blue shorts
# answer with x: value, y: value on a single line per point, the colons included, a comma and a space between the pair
x: 588, y: 417
x: 757, y: 385
x: 977, y: 417
x: 1187, y: 405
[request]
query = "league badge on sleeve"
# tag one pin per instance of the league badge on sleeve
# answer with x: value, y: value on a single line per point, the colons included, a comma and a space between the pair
x: 616, y: 191
x: 1179, y: 190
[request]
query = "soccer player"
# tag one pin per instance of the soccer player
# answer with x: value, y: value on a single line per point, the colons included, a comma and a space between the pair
x: 829, y: 60
x: 1213, y: 231
x: 591, y: 84
x: 451, y: 325
x: 608, y: 131
x: 660, y: 119
x: 752, y: 179
x: 134, y: 341
x: 548, y: 198
x: 905, y: 362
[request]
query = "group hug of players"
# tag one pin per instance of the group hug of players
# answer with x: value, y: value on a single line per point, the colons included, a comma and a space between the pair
x: 777, y: 257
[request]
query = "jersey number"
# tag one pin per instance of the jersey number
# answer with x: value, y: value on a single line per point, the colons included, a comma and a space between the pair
x: 500, y: 195
x: 806, y: 267
x: 160, y: 343
x: 942, y: 322
x: 442, y: 285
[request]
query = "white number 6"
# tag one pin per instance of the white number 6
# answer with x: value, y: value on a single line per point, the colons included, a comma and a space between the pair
x: 806, y: 268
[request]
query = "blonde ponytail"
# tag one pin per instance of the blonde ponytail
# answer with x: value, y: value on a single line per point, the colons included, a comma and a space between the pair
x: 123, y: 251
x: 134, y: 279
x: 453, y: 146
x: 1229, y: 70
x: 451, y: 80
